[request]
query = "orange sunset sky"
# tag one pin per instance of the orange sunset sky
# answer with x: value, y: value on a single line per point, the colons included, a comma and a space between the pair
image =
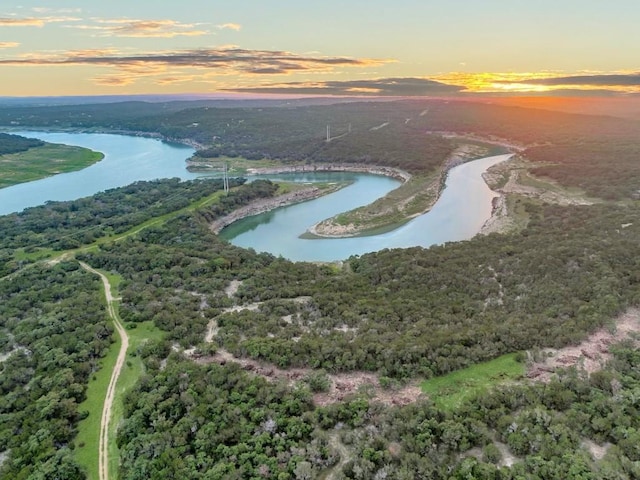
x: 401, y: 48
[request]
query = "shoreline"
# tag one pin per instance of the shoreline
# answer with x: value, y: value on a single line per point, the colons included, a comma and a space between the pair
x: 396, y: 173
x: 265, y: 205
x: 187, y: 142
x: 305, y: 194
x: 392, y: 172
x: 501, y: 142
x: 327, y: 228
x: 43, y: 159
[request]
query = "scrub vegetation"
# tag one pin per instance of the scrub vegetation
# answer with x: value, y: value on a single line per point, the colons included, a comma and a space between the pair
x: 453, y: 316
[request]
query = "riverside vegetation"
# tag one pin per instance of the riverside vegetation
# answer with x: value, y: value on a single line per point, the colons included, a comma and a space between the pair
x: 404, y: 314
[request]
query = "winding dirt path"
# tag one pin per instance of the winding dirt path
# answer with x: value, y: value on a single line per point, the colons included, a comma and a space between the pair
x: 103, y: 448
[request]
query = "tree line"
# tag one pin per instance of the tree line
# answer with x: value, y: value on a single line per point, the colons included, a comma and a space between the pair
x: 16, y: 143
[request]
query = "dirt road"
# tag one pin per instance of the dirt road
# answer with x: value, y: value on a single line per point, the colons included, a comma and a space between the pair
x: 103, y: 448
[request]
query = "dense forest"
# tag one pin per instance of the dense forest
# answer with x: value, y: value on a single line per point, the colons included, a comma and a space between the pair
x: 213, y: 422
x: 66, y: 225
x: 53, y: 333
x: 402, y: 314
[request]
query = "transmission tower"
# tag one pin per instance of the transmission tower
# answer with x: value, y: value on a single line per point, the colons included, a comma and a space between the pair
x: 225, y: 178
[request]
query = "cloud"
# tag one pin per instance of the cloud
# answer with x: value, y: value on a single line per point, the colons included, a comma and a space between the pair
x: 9, y: 44
x: 543, y: 82
x: 144, y: 28
x: 378, y: 87
x: 173, y: 80
x: 238, y: 59
x: 218, y: 61
x: 57, y: 10
x: 33, y: 21
x: 21, y: 22
x: 113, y: 80
x: 596, y: 80
x: 229, y: 26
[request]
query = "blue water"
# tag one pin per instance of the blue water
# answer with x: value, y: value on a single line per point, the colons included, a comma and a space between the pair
x: 127, y: 159
x: 462, y: 209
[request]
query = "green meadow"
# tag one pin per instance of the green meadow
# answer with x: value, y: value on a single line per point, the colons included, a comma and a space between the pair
x: 40, y: 162
x: 451, y: 390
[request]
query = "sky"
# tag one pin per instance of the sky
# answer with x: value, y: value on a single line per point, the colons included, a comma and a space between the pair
x: 331, y: 47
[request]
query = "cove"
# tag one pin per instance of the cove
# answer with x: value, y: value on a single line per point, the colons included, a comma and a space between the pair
x: 126, y: 159
x: 463, y: 207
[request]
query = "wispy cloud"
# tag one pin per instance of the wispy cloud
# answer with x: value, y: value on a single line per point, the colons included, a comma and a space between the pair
x: 248, y: 61
x: 172, y: 64
x: 142, y: 28
x: 113, y: 80
x: 21, y: 22
x: 230, y: 26
x: 56, y: 10
x: 9, y: 44
x: 378, y: 87
x: 34, y: 21
x: 597, y: 83
x: 596, y: 80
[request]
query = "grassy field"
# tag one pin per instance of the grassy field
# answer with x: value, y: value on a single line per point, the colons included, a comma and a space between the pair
x: 449, y: 391
x: 44, y: 161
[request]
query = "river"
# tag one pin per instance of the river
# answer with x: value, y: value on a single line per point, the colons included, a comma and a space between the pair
x: 462, y: 209
x: 126, y: 160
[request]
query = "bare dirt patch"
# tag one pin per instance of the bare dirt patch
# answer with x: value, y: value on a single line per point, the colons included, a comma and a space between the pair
x: 597, y: 451
x: 212, y: 327
x: 6, y: 356
x: 233, y: 287
x: 591, y: 354
x: 343, y: 385
x: 513, y: 178
x: 508, y: 458
x: 551, y: 194
x: 56, y: 260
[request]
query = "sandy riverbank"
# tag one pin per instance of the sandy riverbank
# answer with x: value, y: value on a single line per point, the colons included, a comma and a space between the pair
x: 261, y: 206
x: 415, y: 197
x: 396, y: 173
x: 520, y: 183
x: 514, y: 147
x: 303, y: 195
